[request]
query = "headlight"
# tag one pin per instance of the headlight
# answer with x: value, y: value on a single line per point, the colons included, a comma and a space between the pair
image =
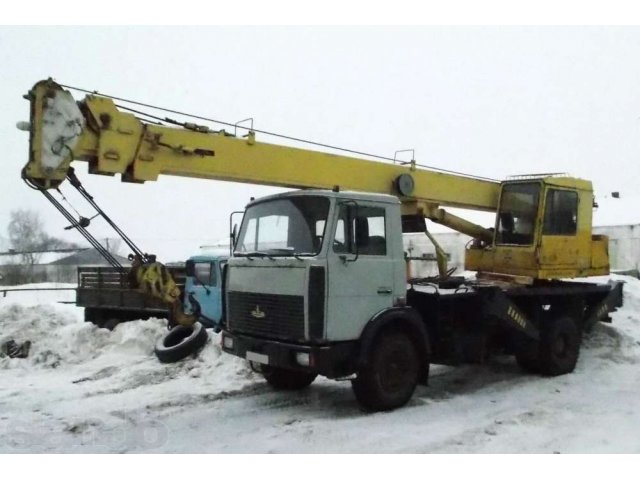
x: 227, y: 342
x: 303, y: 358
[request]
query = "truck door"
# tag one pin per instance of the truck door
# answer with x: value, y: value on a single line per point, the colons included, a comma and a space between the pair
x: 203, y: 285
x: 559, y: 247
x: 360, y: 277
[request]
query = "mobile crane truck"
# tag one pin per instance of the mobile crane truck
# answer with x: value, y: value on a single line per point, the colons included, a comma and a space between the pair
x: 317, y: 282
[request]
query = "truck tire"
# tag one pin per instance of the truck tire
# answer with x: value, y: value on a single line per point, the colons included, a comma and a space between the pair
x: 94, y: 315
x: 527, y: 362
x: 559, y: 346
x: 283, y: 379
x: 527, y: 356
x: 180, y: 342
x: 389, y: 378
x: 102, y: 318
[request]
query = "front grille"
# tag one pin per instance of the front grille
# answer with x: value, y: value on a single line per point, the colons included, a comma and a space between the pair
x: 316, y: 303
x: 266, y: 315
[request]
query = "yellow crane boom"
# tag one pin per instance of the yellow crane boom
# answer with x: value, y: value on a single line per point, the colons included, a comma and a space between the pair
x: 543, y: 228
x: 114, y: 141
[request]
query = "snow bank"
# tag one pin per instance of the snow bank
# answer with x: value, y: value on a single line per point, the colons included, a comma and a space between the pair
x: 62, y: 124
x: 84, y: 389
x: 61, y: 339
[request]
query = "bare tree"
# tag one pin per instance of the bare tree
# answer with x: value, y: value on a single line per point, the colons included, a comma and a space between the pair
x: 113, y: 245
x: 26, y: 235
x: 29, y: 240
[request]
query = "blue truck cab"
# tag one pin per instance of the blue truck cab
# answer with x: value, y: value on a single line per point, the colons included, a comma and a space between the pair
x: 203, y: 288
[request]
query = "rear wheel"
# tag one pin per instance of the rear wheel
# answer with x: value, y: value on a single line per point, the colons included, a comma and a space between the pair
x: 283, y: 379
x: 391, y: 374
x: 559, y: 346
x: 94, y: 315
x: 103, y: 318
x: 527, y: 356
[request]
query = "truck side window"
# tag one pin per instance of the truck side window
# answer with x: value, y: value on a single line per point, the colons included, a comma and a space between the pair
x: 561, y: 213
x: 205, y: 274
x: 364, y: 233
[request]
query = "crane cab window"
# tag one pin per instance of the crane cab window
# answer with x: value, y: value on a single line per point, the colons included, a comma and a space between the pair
x: 517, y: 214
x: 360, y: 230
x: 561, y: 212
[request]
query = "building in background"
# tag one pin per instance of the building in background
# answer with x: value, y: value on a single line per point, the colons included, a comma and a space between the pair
x: 53, y: 266
x: 624, y: 249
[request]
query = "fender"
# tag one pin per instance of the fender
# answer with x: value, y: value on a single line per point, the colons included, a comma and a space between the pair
x: 406, y: 317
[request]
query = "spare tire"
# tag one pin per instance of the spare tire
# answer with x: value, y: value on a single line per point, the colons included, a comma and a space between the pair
x: 181, y: 342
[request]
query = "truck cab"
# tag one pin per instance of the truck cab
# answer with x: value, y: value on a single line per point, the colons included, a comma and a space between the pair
x: 310, y: 269
x: 203, y: 288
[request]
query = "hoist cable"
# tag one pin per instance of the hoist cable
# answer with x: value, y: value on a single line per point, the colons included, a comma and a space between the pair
x: 68, y: 202
x: 265, y: 132
x: 84, y: 232
x: 73, y: 179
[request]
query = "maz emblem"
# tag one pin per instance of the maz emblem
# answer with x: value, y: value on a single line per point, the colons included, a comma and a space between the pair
x: 257, y: 313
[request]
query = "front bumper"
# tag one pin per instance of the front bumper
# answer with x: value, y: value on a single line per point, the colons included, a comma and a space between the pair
x: 331, y: 360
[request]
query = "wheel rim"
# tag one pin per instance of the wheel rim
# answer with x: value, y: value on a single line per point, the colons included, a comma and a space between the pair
x: 562, y: 346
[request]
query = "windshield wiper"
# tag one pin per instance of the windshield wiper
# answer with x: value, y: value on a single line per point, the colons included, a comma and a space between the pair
x: 303, y: 254
x: 275, y: 252
x: 256, y: 254
x: 290, y: 251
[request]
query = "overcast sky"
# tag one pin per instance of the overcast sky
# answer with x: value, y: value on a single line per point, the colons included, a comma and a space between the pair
x: 490, y: 101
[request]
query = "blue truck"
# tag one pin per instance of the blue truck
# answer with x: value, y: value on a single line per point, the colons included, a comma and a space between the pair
x: 203, y: 288
x: 108, y: 297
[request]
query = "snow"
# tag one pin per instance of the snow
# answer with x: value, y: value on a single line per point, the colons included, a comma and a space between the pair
x: 85, y: 389
x: 62, y: 124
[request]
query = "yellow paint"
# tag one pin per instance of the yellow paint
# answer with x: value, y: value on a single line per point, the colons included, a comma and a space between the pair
x: 550, y: 256
x: 116, y: 142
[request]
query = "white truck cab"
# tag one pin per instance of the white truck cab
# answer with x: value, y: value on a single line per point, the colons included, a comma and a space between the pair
x: 315, y: 266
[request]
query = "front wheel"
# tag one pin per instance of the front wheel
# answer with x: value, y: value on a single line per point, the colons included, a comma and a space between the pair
x: 283, y: 379
x: 389, y: 378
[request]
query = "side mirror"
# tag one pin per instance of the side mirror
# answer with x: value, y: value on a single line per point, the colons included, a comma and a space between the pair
x: 233, y: 232
x: 234, y: 235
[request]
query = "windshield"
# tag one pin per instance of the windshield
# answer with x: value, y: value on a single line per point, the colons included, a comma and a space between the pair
x: 517, y: 214
x: 288, y: 226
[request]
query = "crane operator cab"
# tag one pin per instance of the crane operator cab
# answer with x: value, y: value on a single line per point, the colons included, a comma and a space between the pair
x: 543, y: 231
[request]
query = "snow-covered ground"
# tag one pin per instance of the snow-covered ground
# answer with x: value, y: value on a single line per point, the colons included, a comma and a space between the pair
x: 85, y: 389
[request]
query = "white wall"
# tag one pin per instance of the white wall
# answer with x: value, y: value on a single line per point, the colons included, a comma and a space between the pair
x: 417, y: 244
x: 624, y: 248
x: 624, y: 245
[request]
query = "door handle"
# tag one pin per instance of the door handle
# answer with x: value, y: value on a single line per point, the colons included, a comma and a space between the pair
x: 384, y: 291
